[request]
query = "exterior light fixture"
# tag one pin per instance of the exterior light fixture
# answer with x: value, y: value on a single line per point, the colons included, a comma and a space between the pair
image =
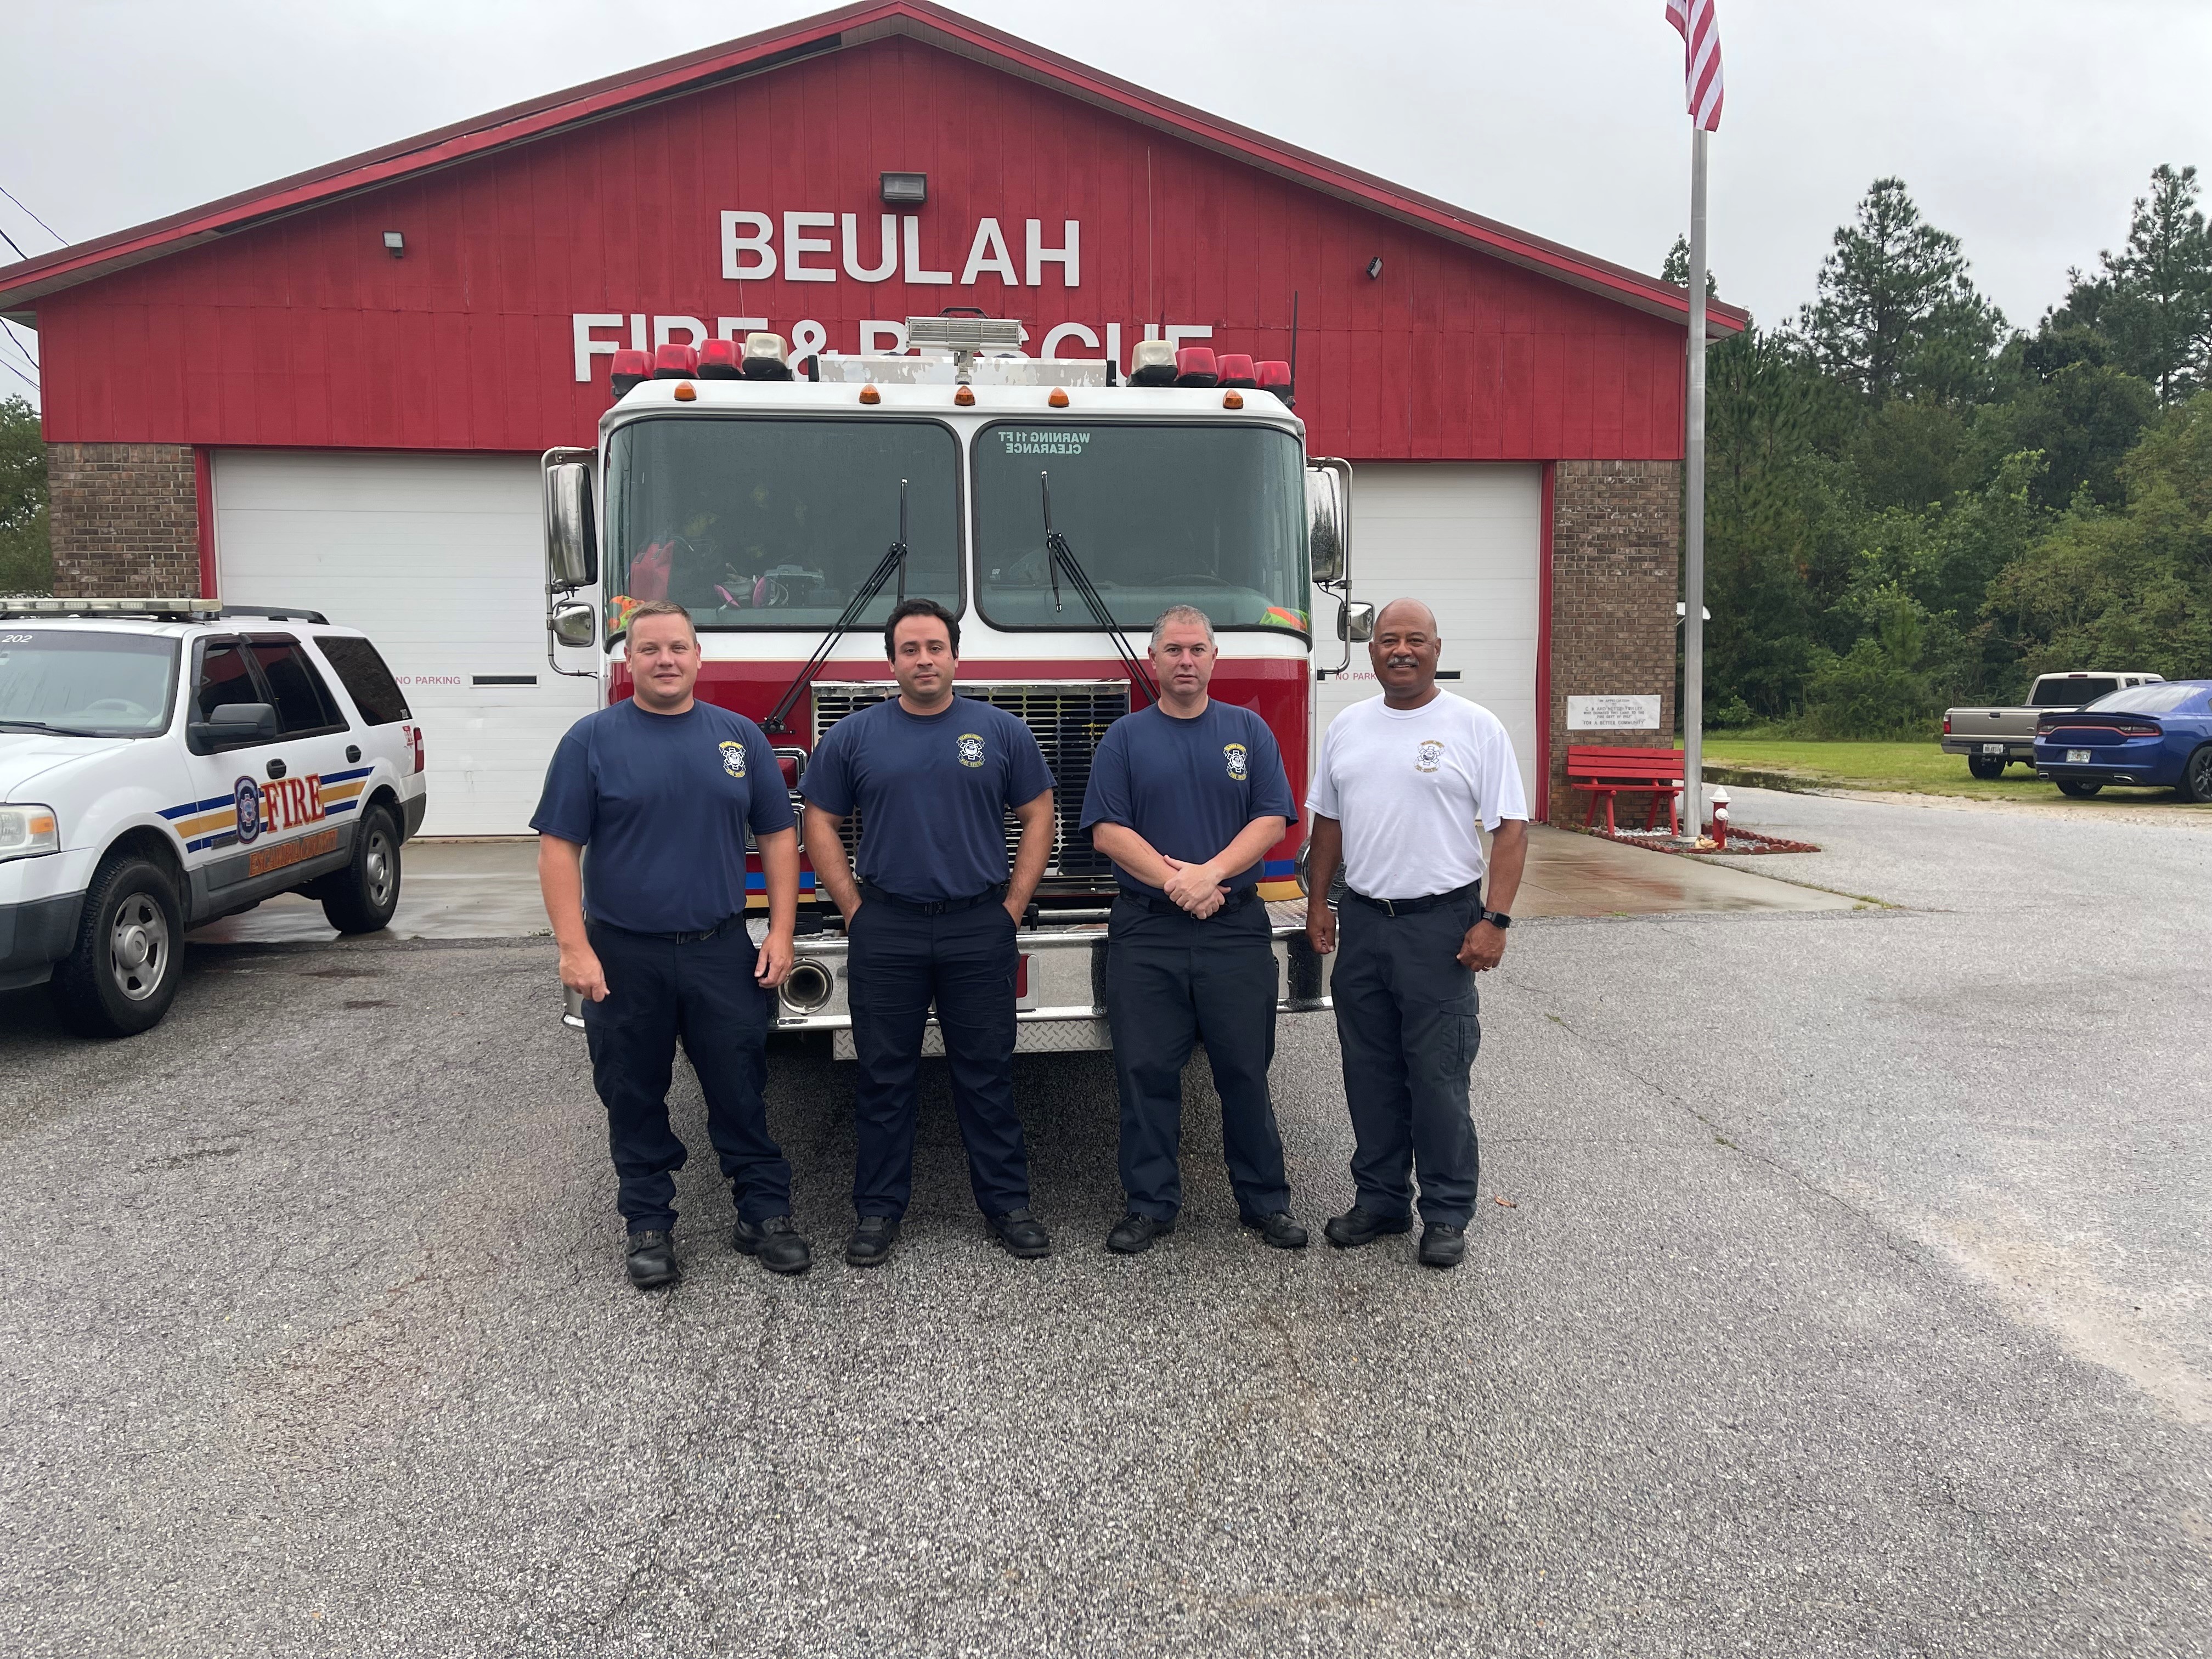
x: 904, y: 189
x: 395, y: 244
x: 1375, y: 268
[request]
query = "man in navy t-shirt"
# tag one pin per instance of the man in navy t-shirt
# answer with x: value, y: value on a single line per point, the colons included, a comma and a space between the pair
x: 932, y: 918
x: 663, y: 789
x: 1186, y: 798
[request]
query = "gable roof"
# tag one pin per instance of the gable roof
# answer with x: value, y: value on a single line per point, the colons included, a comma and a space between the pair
x: 831, y: 31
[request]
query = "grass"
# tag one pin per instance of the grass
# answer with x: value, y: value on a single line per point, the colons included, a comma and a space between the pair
x: 1914, y: 768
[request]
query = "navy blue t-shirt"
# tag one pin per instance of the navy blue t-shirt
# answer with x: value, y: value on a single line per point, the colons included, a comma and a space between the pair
x: 1189, y: 786
x: 662, y: 802
x: 932, y: 790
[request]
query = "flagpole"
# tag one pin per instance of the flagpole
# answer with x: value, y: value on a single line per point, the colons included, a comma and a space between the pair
x: 1693, y: 516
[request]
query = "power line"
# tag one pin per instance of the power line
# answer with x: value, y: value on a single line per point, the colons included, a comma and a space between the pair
x: 5, y: 237
x: 19, y: 374
x: 35, y: 220
x: 10, y: 331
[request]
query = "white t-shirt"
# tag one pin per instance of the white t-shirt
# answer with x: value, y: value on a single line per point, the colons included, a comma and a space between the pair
x: 1408, y: 785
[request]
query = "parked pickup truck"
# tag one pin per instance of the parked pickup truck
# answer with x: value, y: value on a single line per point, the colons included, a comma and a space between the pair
x: 1991, y: 739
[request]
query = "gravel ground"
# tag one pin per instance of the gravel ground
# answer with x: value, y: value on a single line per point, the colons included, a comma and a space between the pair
x: 1848, y: 1293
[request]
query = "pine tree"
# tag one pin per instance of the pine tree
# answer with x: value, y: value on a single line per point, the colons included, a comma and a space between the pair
x: 1897, y: 314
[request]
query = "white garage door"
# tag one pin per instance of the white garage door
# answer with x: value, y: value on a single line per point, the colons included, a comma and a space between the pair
x: 1468, y: 541
x: 439, y: 559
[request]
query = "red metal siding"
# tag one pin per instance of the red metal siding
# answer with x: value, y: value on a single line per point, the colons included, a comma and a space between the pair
x: 305, y: 331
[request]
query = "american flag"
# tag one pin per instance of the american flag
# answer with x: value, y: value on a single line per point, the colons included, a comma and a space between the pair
x: 1701, y: 58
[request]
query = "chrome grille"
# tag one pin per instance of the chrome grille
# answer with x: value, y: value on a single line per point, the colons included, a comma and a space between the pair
x: 1067, y: 717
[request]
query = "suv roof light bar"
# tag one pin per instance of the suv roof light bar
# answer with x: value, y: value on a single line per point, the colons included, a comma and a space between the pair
x: 168, y: 609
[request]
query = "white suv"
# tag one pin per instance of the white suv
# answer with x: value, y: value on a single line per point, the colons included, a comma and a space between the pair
x: 163, y: 762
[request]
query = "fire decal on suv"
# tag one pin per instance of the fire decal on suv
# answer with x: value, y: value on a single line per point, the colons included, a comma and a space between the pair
x: 254, y: 810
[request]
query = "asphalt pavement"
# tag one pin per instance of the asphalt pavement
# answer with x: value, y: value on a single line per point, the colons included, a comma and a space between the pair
x: 1840, y: 1286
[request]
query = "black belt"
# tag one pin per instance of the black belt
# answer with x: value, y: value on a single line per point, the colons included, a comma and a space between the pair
x: 1160, y: 907
x: 875, y: 895
x: 1413, y: 906
x: 728, y: 924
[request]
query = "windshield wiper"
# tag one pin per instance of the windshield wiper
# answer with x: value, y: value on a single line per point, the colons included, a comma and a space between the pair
x: 893, y: 560
x: 1059, y: 554
x: 41, y: 726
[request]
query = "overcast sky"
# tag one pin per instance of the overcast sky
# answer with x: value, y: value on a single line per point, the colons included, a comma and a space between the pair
x: 2023, y: 126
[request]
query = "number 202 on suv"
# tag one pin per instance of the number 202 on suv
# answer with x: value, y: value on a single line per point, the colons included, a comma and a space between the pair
x: 164, y: 763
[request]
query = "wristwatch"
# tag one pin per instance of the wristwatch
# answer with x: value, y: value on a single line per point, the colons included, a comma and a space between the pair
x: 1497, y: 919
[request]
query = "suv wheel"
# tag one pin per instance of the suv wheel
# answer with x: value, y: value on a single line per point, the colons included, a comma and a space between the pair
x: 121, y: 975
x: 2197, y: 776
x: 1986, y: 766
x: 362, y: 896
x: 2080, y: 788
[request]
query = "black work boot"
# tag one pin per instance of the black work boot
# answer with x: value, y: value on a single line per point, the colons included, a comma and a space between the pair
x: 1356, y: 1226
x: 1278, y: 1229
x: 776, y: 1243
x: 1134, y: 1234
x: 652, y: 1259
x: 1443, y: 1245
x: 1022, y: 1234
x: 869, y: 1244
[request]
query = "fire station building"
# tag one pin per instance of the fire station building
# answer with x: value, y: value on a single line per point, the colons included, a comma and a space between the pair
x: 333, y: 391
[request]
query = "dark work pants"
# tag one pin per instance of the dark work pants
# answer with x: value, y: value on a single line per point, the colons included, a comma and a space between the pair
x: 1172, y: 981
x: 704, y: 994
x: 1407, y: 1027
x: 898, y: 963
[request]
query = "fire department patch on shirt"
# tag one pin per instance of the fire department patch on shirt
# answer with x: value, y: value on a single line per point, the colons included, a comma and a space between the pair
x: 734, y: 759
x: 1240, y: 765
x: 971, y: 749
x: 1429, y: 756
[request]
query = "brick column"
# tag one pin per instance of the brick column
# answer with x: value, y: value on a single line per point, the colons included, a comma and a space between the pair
x: 126, y: 520
x: 1616, y: 558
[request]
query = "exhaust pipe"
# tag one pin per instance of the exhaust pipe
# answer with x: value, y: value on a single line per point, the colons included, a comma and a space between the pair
x: 808, y: 986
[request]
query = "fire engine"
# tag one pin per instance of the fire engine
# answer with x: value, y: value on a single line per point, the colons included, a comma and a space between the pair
x: 1055, y: 506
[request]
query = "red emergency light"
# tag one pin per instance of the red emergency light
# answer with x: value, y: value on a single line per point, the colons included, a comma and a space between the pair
x: 630, y: 367
x: 676, y: 361
x: 1194, y: 366
x: 1236, y: 369
x: 1273, y: 374
x: 718, y: 359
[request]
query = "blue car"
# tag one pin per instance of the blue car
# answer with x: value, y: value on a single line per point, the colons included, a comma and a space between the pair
x: 2159, y: 735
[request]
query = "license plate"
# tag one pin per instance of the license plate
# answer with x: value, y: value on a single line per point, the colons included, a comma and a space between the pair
x: 2077, y: 757
x: 1993, y: 749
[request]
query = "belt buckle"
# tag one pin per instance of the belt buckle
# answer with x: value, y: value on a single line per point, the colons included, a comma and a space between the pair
x: 1389, y: 909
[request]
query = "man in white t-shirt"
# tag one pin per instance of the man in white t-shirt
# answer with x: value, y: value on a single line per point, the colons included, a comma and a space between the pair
x: 1401, y: 782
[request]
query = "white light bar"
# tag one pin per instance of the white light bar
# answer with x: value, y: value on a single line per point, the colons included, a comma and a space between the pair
x: 965, y: 333
x: 110, y: 607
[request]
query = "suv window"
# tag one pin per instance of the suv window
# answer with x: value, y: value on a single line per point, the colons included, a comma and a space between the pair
x: 303, y: 702
x: 368, y: 681
x: 225, y: 678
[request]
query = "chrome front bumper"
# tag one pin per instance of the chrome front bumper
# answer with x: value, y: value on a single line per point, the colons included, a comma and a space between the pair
x: 1059, y: 1001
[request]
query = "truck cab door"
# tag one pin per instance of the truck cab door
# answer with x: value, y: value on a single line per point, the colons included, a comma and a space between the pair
x: 262, y: 820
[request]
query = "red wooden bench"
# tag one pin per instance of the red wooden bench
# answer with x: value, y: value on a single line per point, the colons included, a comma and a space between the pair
x: 1606, y: 769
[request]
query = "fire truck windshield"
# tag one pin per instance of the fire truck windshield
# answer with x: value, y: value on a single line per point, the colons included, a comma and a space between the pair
x: 761, y: 522
x: 1210, y: 515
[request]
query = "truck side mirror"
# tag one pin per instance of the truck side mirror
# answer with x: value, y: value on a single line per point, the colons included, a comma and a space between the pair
x: 1355, y: 622
x: 233, y: 725
x: 573, y: 624
x: 572, y: 542
x: 1328, y: 519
